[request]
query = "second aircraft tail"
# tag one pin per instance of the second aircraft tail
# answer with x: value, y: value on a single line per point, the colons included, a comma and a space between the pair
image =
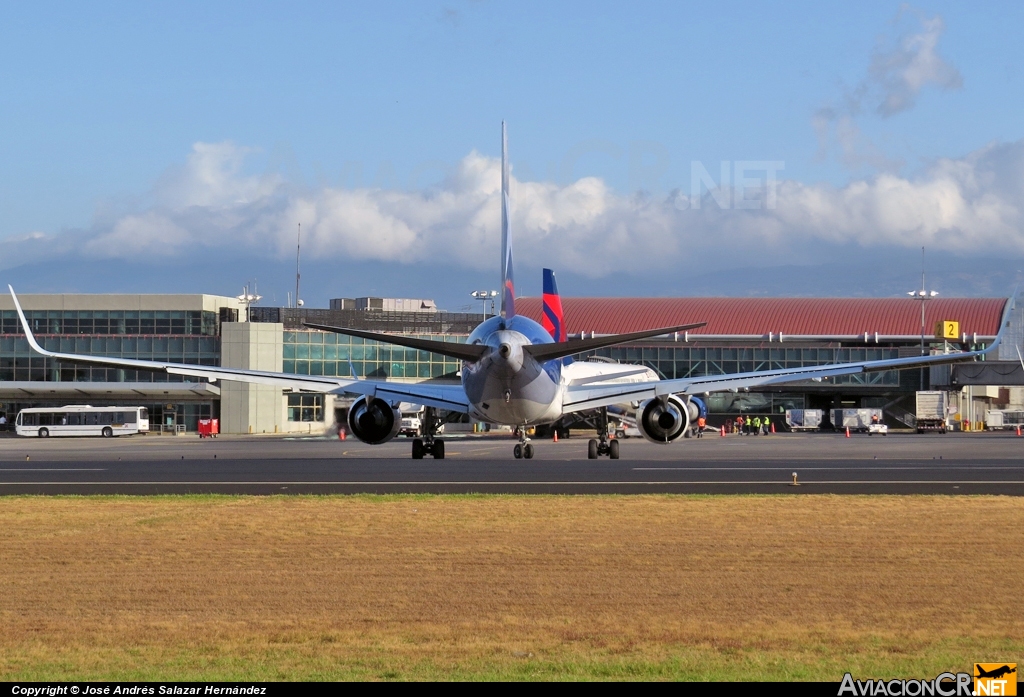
x: 553, y: 319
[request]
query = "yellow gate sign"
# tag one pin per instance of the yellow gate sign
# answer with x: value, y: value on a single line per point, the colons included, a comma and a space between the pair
x: 947, y: 329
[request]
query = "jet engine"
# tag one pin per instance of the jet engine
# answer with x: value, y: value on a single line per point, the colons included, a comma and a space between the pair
x: 375, y: 422
x: 663, y: 422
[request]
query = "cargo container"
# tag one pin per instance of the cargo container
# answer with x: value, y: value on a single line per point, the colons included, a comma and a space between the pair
x: 998, y: 419
x: 855, y: 419
x: 803, y: 419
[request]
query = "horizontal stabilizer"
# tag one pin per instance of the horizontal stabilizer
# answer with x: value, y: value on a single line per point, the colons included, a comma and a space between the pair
x: 560, y: 349
x: 465, y: 352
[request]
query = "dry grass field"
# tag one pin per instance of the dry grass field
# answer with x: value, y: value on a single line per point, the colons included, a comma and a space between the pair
x: 507, y: 587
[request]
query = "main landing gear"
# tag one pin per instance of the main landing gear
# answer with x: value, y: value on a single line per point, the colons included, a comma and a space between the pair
x: 601, y: 445
x: 523, y: 449
x: 428, y: 445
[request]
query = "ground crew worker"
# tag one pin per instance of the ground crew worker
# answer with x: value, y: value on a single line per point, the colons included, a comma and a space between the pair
x: 701, y: 422
x: 740, y: 424
x: 757, y: 426
x: 767, y: 425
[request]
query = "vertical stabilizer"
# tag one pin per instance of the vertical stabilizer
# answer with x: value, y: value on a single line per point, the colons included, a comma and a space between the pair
x: 553, y: 320
x: 508, y: 286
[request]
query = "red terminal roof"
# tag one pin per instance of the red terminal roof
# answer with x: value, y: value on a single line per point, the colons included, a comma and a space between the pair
x: 759, y: 316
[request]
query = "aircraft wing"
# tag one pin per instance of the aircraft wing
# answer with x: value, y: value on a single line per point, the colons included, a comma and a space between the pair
x: 582, y: 397
x: 451, y: 397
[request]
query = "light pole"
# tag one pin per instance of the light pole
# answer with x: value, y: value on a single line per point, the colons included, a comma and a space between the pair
x: 923, y: 295
x: 483, y: 296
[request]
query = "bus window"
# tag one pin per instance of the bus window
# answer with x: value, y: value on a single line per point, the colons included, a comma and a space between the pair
x: 130, y: 417
x: 92, y: 419
x: 107, y: 417
x: 20, y: 421
x: 61, y: 419
x: 45, y: 418
x: 145, y: 413
x: 119, y: 417
x: 75, y: 419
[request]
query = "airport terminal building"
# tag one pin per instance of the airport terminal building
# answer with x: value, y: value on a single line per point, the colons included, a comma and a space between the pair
x: 742, y: 334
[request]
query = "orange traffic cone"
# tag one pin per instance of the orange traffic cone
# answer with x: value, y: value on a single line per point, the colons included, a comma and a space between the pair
x: 1018, y: 429
x: 555, y: 438
x: 341, y: 434
x: 723, y: 431
x: 847, y: 431
x: 773, y: 427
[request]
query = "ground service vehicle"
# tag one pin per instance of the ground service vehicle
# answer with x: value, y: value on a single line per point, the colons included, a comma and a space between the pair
x: 931, y: 411
x: 82, y: 420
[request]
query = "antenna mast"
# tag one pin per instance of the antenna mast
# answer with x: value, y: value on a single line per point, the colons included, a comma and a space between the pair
x: 298, y: 249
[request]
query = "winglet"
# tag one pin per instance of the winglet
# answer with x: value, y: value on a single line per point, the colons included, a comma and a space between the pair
x: 24, y: 325
x: 508, y: 285
x: 1004, y: 322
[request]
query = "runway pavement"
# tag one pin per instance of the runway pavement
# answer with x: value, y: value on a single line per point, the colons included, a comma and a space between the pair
x: 824, y: 463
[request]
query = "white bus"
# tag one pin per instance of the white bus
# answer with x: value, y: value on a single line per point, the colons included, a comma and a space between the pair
x: 82, y: 420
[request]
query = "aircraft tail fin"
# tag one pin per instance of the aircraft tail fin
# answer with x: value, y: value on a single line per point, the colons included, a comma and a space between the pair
x: 553, y: 319
x: 508, y: 286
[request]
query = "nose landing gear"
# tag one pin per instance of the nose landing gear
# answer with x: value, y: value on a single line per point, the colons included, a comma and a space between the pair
x: 523, y: 449
x: 601, y: 445
x: 428, y: 445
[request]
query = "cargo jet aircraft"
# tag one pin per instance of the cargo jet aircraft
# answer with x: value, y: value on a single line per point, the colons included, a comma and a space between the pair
x: 517, y: 372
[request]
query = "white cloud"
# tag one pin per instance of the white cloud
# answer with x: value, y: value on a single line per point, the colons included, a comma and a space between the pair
x: 900, y: 69
x: 972, y: 204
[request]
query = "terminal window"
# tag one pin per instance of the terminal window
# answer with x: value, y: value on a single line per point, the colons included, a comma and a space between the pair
x: 305, y: 407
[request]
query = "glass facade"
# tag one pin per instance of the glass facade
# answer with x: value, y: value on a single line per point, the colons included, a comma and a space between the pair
x: 673, y: 361
x: 323, y: 353
x: 19, y: 362
x: 194, y: 323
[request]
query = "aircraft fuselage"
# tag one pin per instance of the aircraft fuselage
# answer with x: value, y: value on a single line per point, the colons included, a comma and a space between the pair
x: 507, y: 385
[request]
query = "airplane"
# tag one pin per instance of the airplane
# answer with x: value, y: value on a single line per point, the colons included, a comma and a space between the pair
x: 995, y: 673
x: 519, y: 373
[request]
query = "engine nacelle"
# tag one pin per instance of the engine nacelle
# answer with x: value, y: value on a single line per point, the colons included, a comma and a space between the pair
x: 661, y: 422
x: 374, y: 423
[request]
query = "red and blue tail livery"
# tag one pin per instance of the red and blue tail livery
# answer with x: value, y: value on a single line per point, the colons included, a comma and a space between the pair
x: 553, y: 320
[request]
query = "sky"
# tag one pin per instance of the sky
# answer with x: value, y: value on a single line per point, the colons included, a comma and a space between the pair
x: 657, y: 148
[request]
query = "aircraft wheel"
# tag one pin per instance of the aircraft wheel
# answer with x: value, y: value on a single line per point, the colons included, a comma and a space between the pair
x: 417, y: 449
x: 613, y: 450
x: 438, y: 449
x: 518, y: 451
x: 528, y: 451
x: 44, y: 433
x: 592, y: 449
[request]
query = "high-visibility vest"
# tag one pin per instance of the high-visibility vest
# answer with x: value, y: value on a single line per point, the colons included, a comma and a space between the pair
x: 757, y: 422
